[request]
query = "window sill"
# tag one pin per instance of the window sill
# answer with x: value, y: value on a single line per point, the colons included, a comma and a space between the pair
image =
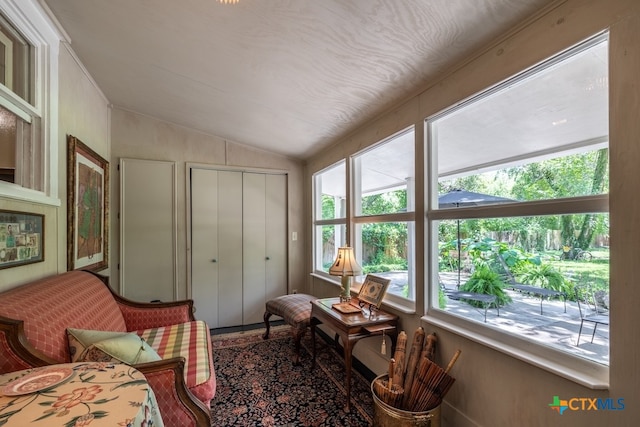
x: 390, y: 301
x: 581, y: 371
x: 407, y: 308
x: 12, y: 191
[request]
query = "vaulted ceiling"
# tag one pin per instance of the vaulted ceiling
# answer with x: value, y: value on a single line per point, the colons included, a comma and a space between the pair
x: 288, y: 76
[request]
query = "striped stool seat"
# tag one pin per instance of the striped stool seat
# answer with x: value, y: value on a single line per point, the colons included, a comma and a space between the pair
x: 295, y: 309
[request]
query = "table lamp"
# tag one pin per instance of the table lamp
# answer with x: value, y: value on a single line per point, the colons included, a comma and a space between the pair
x: 345, y: 266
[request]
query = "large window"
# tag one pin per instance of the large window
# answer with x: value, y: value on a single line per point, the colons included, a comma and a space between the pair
x: 376, y: 217
x: 16, y: 116
x: 16, y: 56
x: 28, y: 103
x: 330, y: 210
x: 520, y: 196
x: 383, y: 181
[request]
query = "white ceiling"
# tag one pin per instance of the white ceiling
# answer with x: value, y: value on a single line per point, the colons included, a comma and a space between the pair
x: 288, y: 76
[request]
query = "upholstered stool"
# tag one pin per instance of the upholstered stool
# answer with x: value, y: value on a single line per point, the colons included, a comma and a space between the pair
x: 295, y: 309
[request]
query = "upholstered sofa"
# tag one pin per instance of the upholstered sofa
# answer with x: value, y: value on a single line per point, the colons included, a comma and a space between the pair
x: 34, y: 318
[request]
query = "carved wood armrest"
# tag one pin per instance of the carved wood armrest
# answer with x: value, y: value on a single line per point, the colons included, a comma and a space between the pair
x: 19, y: 344
x: 153, y: 372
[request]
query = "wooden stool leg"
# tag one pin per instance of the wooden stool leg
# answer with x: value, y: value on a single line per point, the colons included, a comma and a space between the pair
x: 267, y: 325
x: 297, y: 336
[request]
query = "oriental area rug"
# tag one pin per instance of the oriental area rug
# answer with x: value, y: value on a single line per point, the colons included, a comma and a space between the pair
x: 257, y: 384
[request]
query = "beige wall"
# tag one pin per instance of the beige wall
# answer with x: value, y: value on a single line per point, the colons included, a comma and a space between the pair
x: 83, y: 112
x: 141, y: 137
x: 493, y: 388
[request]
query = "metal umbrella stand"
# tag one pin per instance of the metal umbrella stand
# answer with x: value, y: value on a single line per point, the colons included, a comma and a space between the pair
x: 461, y: 198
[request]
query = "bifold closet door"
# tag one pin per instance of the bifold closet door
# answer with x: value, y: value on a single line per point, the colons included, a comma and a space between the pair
x: 216, y: 246
x: 276, y: 235
x: 263, y: 242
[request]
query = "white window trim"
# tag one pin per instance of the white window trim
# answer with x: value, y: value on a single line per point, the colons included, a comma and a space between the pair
x: 317, y: 204
x: 582, y: 371
x: 33, y: 22
x: 399, y: 303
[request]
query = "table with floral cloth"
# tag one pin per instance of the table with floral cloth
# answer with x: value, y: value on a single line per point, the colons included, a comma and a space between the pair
x: 78, y: 394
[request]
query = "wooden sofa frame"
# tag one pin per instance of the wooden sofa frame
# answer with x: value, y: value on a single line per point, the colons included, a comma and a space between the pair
x: 159, y: 374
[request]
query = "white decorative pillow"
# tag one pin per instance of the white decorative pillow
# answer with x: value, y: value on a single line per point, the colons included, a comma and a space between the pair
x: 103, y: 346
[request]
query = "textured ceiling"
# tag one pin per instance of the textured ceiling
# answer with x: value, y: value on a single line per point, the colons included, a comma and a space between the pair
x: 288, y: 76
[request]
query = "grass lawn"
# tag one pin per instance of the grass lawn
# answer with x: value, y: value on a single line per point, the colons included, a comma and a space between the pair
x: 594, y: 272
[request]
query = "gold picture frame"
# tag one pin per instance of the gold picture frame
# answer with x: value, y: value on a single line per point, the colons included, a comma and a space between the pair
x: 373, y: 290
x: 87, y: 208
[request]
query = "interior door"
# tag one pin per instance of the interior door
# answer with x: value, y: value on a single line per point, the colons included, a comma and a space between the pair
x: 216, y: 246
x: 230, y: 248
x: 254, y: 257
x: 264, y: 242
x: 148, y: 229
x: 276, y: 235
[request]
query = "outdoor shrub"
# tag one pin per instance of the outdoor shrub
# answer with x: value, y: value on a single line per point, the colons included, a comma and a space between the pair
x: 442, y: 299
x: 543, y: 275
x: 382, y: 268
x: 486, y: 281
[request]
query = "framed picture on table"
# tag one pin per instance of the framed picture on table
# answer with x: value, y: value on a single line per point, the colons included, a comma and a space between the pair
x: 373, y: 290
x: 87, y: 207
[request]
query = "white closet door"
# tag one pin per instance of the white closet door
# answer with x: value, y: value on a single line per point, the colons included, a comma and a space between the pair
x: 230, y: 248
x: 254, y: 257
x: 148, y: 228
x: 216, y: 246
x: 276, y: 235
x: 238, y: 244
x: 204, y: 246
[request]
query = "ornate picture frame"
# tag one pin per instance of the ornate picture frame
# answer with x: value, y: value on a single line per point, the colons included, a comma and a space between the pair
x: 87, y: 208
x: 21, y: 238
x: 373, y: 290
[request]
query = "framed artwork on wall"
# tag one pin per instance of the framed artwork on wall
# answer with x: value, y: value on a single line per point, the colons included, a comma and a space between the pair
x: 21, y: 238
x: 87, y: 207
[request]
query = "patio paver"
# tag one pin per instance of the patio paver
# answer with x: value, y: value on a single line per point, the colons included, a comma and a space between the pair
x: 522, y: 317
x: 554, y: 328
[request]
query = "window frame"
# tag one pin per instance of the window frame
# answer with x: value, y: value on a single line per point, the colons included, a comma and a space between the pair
x: 319, y: 222
x: 32, y: 21
x: 350, y: 221
x: 585, y: 372
x: 409, y: 217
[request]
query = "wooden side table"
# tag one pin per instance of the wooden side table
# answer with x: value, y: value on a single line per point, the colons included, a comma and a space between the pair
x: 351, y: 328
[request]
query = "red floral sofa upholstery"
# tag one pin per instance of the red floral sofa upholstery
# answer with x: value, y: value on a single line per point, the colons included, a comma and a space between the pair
x: 34, y: 318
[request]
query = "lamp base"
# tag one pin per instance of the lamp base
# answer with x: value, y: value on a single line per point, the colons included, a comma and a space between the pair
x: 345, y: 295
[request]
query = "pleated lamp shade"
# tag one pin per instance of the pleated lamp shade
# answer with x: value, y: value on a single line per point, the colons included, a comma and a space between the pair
x: 345, y: 263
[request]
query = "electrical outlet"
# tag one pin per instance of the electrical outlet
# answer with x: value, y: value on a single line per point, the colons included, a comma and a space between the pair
x: 294, y: 236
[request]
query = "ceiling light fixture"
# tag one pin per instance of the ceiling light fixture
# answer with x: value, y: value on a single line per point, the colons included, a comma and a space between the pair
x: 229, y: 1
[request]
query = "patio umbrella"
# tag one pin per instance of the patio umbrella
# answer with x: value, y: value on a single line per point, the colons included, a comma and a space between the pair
x: 457, y: 198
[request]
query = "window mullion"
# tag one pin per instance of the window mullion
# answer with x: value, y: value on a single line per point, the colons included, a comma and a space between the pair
x: 593, y: 204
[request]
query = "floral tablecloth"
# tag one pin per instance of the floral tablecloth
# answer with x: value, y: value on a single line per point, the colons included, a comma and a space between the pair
x: 78, y: 394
